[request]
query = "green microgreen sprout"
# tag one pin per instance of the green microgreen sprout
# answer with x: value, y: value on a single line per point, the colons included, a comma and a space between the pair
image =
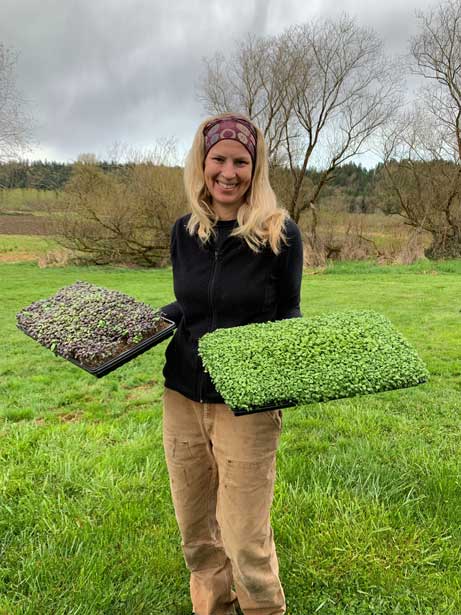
x: 306, y: 360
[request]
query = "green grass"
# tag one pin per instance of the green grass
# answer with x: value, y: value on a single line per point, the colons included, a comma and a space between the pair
x: 32, y: 244
x: 367, y: 506
x: 21, y: 200
x: 423, y: 266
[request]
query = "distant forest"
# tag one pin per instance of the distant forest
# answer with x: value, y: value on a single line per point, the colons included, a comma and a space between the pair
x: 353, y: 180
x: 40, y: 175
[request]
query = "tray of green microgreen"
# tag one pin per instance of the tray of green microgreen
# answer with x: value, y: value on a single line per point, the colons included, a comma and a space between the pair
x: 263, y: 366
x: 94, y: 328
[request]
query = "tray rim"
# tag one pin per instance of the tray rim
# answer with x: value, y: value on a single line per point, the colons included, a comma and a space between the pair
x: 288, y: 404
x: 265, y: 408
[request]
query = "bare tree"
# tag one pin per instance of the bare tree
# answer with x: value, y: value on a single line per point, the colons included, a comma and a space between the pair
x: 252, y: 80
x: 164, y: 151
x: 319, y: 92
x: 14, y: 121
x: 436, y: 51
x: 422, y: 152
x: 121, y: 217
x: 87, y: 158
x: 124, y: 215
x: 421, y: 182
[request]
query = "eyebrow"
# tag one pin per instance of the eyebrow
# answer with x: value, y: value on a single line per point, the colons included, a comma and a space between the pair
x: 243, y: 157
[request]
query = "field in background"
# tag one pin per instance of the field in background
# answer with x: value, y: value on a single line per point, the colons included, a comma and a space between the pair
x: 26, y: 212
x: 381, y: 228
x: 366, y: 511
x: 361, y: 236
x: 20, y: 248
x: 22, y: 200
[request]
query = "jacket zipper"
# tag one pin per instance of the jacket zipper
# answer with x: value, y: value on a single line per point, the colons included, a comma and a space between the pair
x: 210, y: 300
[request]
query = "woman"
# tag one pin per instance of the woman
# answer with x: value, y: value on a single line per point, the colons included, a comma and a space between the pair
x: 237, y: 259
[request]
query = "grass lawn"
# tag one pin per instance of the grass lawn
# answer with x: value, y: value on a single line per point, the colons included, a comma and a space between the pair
x: 19, y: 248
x: 26, y: 199
x: 367, y: 506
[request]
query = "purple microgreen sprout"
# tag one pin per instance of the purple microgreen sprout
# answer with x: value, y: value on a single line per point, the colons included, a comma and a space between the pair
x: 89, y: 323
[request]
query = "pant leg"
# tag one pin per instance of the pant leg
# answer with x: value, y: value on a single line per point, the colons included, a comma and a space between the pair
x: 245, y: 449
x: 193, y: 481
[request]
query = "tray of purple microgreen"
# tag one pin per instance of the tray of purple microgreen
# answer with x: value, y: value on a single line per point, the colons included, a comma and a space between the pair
x: 93, y: 327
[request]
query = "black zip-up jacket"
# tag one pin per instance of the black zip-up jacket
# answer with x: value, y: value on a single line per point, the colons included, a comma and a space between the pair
x: 220, y: 284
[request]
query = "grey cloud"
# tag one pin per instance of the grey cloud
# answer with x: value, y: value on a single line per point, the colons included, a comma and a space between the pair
x: 100, y: 72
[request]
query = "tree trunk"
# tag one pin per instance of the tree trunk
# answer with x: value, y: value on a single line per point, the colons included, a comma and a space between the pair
x: 444, y: 246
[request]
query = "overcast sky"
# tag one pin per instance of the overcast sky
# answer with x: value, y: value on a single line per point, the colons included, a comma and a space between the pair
x: 98, y: 72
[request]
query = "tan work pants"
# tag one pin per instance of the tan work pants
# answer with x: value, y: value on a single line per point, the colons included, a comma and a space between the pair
x: 222, y: 474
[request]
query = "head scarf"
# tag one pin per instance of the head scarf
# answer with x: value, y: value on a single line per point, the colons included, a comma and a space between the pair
x: 234, y: 128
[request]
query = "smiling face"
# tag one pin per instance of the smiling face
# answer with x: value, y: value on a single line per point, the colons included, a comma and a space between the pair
x: 228, y: 168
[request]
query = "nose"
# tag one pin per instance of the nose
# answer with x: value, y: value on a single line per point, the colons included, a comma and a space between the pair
x: 228, y: 169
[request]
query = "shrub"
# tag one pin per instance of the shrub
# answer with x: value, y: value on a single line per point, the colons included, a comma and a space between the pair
x: 309, y: 360
x: 123, y: 216
x: 89, y: 323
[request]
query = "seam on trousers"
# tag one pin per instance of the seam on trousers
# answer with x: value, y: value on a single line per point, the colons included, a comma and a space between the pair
x: 208, y: 506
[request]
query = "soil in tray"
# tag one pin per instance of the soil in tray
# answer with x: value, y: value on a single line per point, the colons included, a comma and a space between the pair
x: 122, y: 347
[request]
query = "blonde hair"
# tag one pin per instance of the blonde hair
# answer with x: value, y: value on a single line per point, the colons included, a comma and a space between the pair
x: 260, y: 220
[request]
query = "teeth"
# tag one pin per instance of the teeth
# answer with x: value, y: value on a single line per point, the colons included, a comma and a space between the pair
x: 226, y: 185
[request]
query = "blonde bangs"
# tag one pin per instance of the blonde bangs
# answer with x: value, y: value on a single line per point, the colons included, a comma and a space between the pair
x: 260, y: 220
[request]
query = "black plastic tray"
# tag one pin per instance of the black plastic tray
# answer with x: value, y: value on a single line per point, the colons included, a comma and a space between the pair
x: 265, y: 408
x: 124, y: 357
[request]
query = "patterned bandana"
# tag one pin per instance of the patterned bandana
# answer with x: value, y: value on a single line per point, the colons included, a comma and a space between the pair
x: 234, y: 128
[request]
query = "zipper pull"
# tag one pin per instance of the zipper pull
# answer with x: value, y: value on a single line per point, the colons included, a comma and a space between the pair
x: 216, y: 255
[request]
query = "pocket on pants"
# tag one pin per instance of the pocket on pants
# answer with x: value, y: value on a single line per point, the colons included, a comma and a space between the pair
x: 275, y: 416
x: 180, y: 450
x: 249, y: 475
x: 250, y: 485
x: 247, y: 492
x: 178, y: 458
